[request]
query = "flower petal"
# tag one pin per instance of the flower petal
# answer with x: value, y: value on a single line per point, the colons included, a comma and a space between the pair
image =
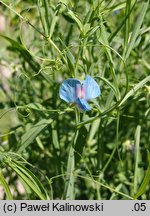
x: 83, y: 105
x: 91, y: 88
x: 68, y: 90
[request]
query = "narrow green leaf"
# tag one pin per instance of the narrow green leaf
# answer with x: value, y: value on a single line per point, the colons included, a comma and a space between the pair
x: 53, y: 23
x: 31, y: 176
x: 32, y: 133
x: 117, y: 7
x: 110, y: 85
x: 136, y: 30
x: 134, y: 89
x: 47, y: 17
x: 137, y: 170
x: 16, y: 46
x: 29, y: 182
x: 35, y: 106
x: 114, y: 194
x: 55, y: 137
x: 69, y: 56
x: 69, y: 192
x: 5, y: 186
x: 27, y: 56
x: 103, y: 39
x: 69, y: 185
x: 122, y: 23
x: 80, y: 143
x: 144, y: 183
x: 92, y: 31
x: 71, y: 60
x: 75, y: 18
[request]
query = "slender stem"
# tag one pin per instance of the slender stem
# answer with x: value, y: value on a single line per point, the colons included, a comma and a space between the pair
x: 127, y: 23
x: 99, y: 156
x: 69, y: 186
x: 45, y: 2
x: 78, y: 56
x: 24, y: 19
x: 101, y: 115
x: 12, y: 10
x: 104, y: 185
x: 54, y: 45
x: 116, y: 145
x: 58, y: 50
x: 46, y: 37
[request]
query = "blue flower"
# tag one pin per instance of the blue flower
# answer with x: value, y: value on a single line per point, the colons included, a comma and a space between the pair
x: 74, y: 91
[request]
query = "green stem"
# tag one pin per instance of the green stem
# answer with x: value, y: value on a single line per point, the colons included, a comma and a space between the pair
x: 46, y: 37
x: 24, y: 19
x: 116, y: 145
x: 57, y: 49
x: 69, y: 186
x: 102, y: 115
x: 104, y: 185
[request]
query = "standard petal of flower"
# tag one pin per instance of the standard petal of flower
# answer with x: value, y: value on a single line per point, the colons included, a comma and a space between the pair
x: 92, y: 89
x: 83, y: 105
x: 68, y: 90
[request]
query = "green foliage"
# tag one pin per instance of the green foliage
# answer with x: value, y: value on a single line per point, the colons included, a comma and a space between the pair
x: 47, y: 145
